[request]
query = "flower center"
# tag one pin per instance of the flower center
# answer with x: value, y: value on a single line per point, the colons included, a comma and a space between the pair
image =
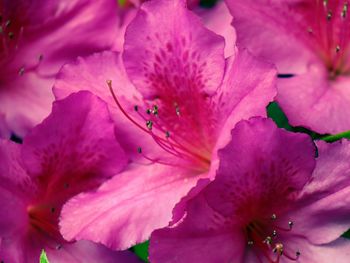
x: 266, y: 237
x: 44, y: 219
x: 164, y: 133
x: 330, y: 35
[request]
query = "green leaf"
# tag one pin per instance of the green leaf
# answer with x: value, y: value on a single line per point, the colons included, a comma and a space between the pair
x: 43, y: 257
x: 277, y: 115
x: 336, y: 137
x: 346, y: 234
x: 141, y: 250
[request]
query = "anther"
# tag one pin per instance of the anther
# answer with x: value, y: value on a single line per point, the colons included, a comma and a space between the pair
x: 53, y: 210
x: 309, y: 29
x: 273, y: 217
x: 11, y: 35
x: 268, y: 240
x: 148, y: 111
x: 344, y: 11
x: 59, y: 246
x: 329, y: 15
x: 177, y: 109
x: 21, y: 71
x: 41, y: 57
x: 325, y: 3
x: 297, y: 254
x: 7, y: 23
x: 109, y: 83
x: 136, y: 108
x: 167, y: 134
x: 139, y: 149
x: 155, y: 110
x: 290, y: 223
x: 149, y: 124
x: 274, y: 233
x: 337, y: 48
x: 250, y: 243
x: 278, y: 248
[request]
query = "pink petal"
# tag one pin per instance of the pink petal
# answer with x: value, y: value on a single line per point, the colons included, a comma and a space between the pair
x: 73, y: 144
x: 324, y: 207
x: 271, y: 30
x: 248, y: 87
x: 48, y: 30
x: 91, y: 73
x: 337, y: 251
x: 125, y: 210
x: 5, y: 132
x: 201, y: 237
x: 173, y: 52
x: 218, y: 19
x: 85, y: 251
x: 312, y: 101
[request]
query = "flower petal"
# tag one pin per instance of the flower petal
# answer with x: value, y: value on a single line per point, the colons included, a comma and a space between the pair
x: 48, y: 30
x: 168, y: 50
x: 91, y: 73
x: 202, y: 236
x: 125, y: 210
x: 265, y: 27
x: 258, y: 168
x: 76, y: 139
x: 312, y: 101
x: 324, y: 206
x: 249, y: 86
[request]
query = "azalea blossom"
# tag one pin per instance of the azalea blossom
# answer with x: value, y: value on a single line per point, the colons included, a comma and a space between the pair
x: 309, y: 40
x: 72, y: 150
x: 37, y: 38
x: 267, y: 204
x: 174, y: 99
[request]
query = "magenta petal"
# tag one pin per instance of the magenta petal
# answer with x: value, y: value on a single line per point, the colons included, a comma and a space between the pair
x: 327, y: 217
x: 76, y: 139
x: 55, y: 31
x: 261, y: 162
x: 201, y: 237
x: 249, y: 86
x: 173, y: 245
x: 5, y: 132
x: 125, y: 210
x: 173, y: 52
x: 337, y: 251
x: 85, y: 251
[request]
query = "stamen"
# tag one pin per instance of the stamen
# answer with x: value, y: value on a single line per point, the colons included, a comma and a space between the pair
x: 173, y: 147
x: 344, y: 11
x: 149, y: 124
x: 329, y: 15
x: 278, y: 248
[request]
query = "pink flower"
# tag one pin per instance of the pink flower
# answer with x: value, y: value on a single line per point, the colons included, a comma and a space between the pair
x: 266, y: 204
x: 310, y: 40
x: 37, y: 38
x: 71, y: 151
x: 174, y: 104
